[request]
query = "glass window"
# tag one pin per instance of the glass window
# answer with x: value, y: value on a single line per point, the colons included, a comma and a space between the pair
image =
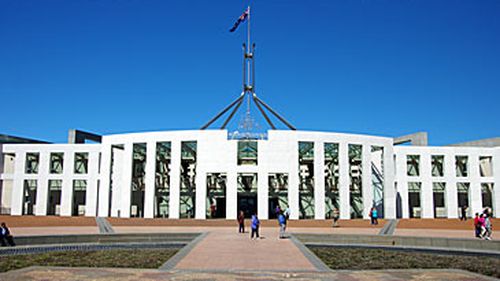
x: 32, y: 162
x: 486, y: 166
x: 81, y: 163
x: 461, y: 166
x: 437, y: 165
x: 413, y: 165
x: 247, y: 152
x: 56, y: 163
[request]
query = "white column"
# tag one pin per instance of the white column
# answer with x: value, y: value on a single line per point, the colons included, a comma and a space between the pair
x: 427, y: 194
x: 345, y: 206
x: 389, y: 189
x: 104, y: 187
x: 42, y: 185
x: 451, y: 200
x: 18, y: 185
x: 126, y: 188
x: 149, y: 192
x: 262, y: 195
x: 201, y: 193
x: 175, y: 180
x: 496, y: 185
x: 231, y: 196
x: 67, y: 184
x: 293, y: 182
x: 319, y: 180
x: 475, y: 203
x: 402, y: 188
x: 91, y: 192
x: 366, y: 185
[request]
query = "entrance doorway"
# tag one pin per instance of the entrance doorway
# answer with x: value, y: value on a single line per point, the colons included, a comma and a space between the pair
x: 278, y: 194
x: 247, y: 193
x: 216, y: 196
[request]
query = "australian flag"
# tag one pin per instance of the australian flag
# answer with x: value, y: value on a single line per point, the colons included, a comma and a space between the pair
x: 241, y: 19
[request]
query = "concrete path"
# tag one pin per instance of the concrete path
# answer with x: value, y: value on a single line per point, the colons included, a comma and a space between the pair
x: 104, y: 225
x: 226, y: 249
x: 126, y: 274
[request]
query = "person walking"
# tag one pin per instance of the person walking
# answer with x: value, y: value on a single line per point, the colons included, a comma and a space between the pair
x: 482, y: 224
x: 241, y: 222
x: 6, y: 236
x: 463, y: 216
x: 335, y: 216
x: 255, y: 226
x: 476, y: 225
x: 488, y: 227
x: 282, y: 223
x: 277, y: 211
x: 374, y: 216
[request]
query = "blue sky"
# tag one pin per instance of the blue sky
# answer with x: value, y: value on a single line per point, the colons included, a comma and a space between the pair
x: 374, y: 67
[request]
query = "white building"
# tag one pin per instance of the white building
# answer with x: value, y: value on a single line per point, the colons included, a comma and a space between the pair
x: 204, y: 174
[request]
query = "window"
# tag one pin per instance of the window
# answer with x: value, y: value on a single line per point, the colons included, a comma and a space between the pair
x: 32, y: 162
x: 413, y: 165
x: 247, y: 152
x: 461, y: 166
x: 56, y: 163
x: 437, y: 165
x: 81, y: 163
x: 485, y: 166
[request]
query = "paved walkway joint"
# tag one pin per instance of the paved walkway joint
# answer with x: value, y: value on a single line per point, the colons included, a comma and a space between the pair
x: 104, y: 225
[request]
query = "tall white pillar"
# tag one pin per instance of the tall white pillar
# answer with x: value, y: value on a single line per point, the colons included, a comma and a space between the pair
x: 149, y: 192
x: 496, y: 185
x: 451, y: 200
x: 175, y: 180
x: 476, y: 202
x: 262, y: 195
x: 42, y: 185
x: 402, y: 185
x: 67, y: 184
x: 427, y: 194
x: 366, y: 185
x: 319, y: 180
x: 104, y: 180
x: 92, y: 185
x: 389, y: 188
x: 293, y: 182
x: 17, y: 200
x: 345, y: 206
x: 231, y: 195
x: 126, y: 188
x: 201, y: 193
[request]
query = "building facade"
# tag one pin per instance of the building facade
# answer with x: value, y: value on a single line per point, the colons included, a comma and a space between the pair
x: 202, y: 174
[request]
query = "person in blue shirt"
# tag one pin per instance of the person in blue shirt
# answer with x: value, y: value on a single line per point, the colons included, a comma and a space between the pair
x: 282, y: 222
x: 255, y: 226
x: 374, y: 216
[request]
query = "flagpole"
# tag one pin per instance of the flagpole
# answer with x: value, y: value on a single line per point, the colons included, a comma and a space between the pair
x: 248, y: 61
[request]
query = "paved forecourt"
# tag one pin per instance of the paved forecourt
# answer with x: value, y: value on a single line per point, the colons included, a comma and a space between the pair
x: 226, y: 249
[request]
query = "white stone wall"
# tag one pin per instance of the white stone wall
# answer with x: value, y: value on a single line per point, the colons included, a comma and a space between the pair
x: 450, y: 178
x: 109, y: 186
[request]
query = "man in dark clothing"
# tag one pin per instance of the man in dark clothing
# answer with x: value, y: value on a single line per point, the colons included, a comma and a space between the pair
x: 241, y: 222
x: 6, y: 236
x: 464, y: 213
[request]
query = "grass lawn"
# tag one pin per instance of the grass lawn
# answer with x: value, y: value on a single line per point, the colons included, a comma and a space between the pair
x: 134, y: 258
x: 356, y: 259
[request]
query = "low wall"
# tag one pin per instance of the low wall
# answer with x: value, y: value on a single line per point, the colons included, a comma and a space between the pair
x: 105, y: 238
x: 408, y: 242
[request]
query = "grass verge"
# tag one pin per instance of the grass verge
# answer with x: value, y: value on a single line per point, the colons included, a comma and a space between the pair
x: 133, y: 258
x: 358, y: 259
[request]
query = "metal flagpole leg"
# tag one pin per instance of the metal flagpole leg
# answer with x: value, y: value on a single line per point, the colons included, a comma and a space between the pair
x: 222, y: 112
x: 275, y: 114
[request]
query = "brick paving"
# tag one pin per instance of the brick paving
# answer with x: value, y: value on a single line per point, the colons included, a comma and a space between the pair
x: 126, y: 274
x: 224, y: 249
